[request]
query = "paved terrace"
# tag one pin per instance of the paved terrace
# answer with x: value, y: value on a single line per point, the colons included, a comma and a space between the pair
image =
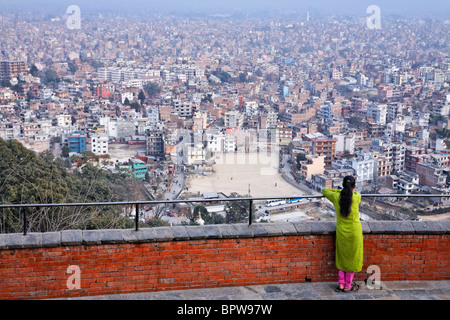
x: 389, y: 290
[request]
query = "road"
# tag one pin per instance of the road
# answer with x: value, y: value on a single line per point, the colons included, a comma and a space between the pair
x: 179, y: 177
x: 286, y: 172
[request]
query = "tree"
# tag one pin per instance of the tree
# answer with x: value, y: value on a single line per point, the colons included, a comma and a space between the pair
x: 300, y: 157
x: 34, y: 71
x: 50, y: 75
x: 72, y: 67
x: 355, y: 121
x: 26, y: 177
x: 141, y: 97
x: 207, y: 98
x: 238, y: 211
x: 29, y: 96
x: 6, y: 83
x: 223, y: 76
x: 136, y: 106
x: 443, y: 133
x: 242, y: 77
x: 152, y: 89
x: 65, y: 151
x: 208, y: 218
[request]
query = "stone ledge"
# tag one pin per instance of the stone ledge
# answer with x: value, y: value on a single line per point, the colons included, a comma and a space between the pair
x: 223, y: 231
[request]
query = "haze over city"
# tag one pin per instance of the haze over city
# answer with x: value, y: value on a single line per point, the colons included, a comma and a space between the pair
x: 439, y: 9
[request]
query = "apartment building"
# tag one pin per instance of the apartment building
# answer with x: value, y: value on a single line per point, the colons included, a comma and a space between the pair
x: 431, y: 174
x: 312, y: 166
x: 76, y: 142
x: 283, y: 133
x: 10, y: 69
x: 9, y: 130
x: 413, y: 156
x: 326, y: 147
x: 184, y: 108
x: 345, y: 143
x: 383, y: 166
x: 139, y: 168
x: 364, y: 165
x: 196, y: 155
x: 155, y: 143
x: 64, y: 120
x: 233, y: 119
x: 394, y: 152
x: 99, y: 144
x: 378, y: 113
x: 268, y: 120
x: 331, y: 178
x: 214, y: 141
x: 408, y: 183
x: 394, y: 110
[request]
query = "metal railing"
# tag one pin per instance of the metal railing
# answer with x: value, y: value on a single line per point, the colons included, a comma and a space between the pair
x: 194, y: 200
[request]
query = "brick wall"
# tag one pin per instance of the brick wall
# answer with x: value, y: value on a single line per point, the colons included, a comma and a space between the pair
x: 169, y: 258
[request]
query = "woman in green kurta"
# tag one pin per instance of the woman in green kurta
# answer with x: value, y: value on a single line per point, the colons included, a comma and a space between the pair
x: 349, y: 237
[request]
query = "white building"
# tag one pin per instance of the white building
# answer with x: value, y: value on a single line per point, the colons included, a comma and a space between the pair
x: 99, y: 144
x: 251, y: 108
x: 393, y: 111
x: 408, y: 183
x: 214, y: 140
x: 394, y: 153
x: 127, y: 95
x: 220, y: 142
x: 233, y: 119
x: 153, y: 115
x: 110, y: 125
x: 345, y: 142
x: 184, y: 108
x: 365, y: 167
x: 377, y: 112
x: 64, y: 120
x: 195, y: 154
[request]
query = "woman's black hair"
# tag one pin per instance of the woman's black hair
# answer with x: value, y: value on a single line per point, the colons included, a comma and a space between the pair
x: 345, y: 200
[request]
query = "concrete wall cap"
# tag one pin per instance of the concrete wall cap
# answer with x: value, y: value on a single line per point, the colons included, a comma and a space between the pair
x: 163, y: 234
x: 183, y: 233
x: 71, y: 237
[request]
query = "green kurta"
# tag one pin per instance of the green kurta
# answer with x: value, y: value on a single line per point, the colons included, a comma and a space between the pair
x: 349, y: 236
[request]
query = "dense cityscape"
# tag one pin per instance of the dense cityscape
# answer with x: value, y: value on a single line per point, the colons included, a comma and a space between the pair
x: 171, y: 100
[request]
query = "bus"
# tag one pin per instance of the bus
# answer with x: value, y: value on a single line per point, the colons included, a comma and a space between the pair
x: 294, y: 200
x: 275, y: 202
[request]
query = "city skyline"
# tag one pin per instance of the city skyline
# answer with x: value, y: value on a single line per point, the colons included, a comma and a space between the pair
x: 429, y: 9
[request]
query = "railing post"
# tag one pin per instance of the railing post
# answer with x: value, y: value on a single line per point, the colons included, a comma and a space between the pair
x: 136, y: 218
x: 250, y: 213
x: 25, y: 223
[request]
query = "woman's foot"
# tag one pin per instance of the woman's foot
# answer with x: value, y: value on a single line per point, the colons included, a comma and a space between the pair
x: 354, y: 287
x: 340, y: 288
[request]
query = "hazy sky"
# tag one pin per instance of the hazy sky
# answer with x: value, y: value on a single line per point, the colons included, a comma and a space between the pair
x: 323, y: 7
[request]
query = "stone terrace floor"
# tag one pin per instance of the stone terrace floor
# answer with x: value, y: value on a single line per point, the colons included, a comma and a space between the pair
x: 390, y: 290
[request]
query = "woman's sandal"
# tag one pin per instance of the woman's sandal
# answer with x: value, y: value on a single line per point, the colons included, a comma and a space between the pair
x: 354, y: 288
x: 339, y: 289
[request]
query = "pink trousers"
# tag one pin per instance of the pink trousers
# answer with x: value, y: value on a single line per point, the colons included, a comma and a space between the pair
x: 345, y: 279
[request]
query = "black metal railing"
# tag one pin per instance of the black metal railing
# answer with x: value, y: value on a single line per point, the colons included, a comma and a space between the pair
x: 137, y: 204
